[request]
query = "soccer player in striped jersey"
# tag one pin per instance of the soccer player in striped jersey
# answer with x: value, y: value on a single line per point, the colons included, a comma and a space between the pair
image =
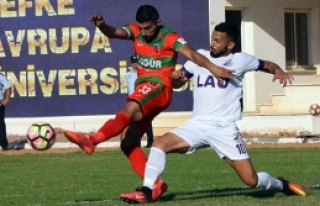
x: 157, y: 48
x: 216, y: 107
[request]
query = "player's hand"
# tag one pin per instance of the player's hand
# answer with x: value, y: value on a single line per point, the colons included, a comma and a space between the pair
x: 97, y: 20
x: 4, y: 101
x: 221, y: 73
x: 178, y: 79
x: 178, y: 74
x: 284, y: 78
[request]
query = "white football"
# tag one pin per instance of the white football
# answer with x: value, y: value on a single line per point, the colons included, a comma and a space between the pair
x: 314, y: 109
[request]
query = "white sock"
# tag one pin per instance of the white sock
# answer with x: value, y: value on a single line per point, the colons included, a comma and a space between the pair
x: 155, y: 166
x: 267, y: 182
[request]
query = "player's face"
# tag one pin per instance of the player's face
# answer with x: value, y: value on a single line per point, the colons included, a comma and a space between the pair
x: 149, y: 30
x: 220, y: 44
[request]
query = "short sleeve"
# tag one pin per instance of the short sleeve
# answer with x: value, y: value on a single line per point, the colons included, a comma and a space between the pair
x: 5, y: 83
x: 132, y: 30
x: 190, y: 67
x: 174, y: 41
x: 249, y: 62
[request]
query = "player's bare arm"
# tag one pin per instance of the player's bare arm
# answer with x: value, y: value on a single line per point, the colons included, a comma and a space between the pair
x: 6, y: 98
x: 108, y: 30
x: 278, y: 73
x: 178, y: 79
x: 218, y: 72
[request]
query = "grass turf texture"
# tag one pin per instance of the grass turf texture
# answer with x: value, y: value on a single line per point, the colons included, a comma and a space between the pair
x: 198, y: 179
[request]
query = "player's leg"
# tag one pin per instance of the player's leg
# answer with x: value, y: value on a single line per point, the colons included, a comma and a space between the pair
x: 149, y: 133
x: 263, y: 180
x: 233, y: 150
x: 250, y: 177
x: 138, y: 104
x: 155, y: 166
x: 184, y: 139
x: 148, y: 99
x: 151, y: 103
x: 3, y: 134
x: 111, y: 128
x: 130, y: 146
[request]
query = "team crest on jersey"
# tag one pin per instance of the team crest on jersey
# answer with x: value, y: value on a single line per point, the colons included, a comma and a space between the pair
x: 228, y: 63
x: 155, y: 49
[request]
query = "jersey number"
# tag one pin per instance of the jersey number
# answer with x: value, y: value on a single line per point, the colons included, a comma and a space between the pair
x: 145, y: 89
x: 241, y: 148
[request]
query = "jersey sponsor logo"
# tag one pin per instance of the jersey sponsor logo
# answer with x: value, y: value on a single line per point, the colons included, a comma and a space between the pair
x: 181, y: 40
x: 210, y: 81
x: 150, y: 63
x: 140, y: 197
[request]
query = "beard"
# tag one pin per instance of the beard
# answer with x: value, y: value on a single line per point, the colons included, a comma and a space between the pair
x: 221, y: 53
x: 149, y: 39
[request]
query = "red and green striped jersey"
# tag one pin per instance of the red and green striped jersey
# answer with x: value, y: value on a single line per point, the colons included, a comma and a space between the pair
x: 157, y: 58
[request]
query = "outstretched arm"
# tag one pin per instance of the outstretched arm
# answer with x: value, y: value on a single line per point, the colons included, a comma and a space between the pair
x: 218, y: 72
x: 278, y: 73
x: 108, y: 30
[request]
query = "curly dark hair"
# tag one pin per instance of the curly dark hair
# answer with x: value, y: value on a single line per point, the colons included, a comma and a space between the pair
x: 147, y: 13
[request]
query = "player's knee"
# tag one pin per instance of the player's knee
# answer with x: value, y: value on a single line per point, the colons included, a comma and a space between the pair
x: 133, y: 110
x: 158, y: 143
x: 123, y: 147
x: 168, y: 143
x: 129, y: 144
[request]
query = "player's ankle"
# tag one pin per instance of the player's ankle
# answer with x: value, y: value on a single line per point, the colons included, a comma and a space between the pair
x: 147, y: 192
x: 96, y: 138
x: 92, y: 140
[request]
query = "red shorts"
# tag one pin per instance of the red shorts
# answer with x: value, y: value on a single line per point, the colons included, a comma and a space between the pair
x: 152, y: 97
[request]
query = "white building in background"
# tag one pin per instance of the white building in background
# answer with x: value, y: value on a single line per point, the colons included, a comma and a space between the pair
x: 286, y: 32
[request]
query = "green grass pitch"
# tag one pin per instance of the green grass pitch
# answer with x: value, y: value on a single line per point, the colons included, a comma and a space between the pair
x: 197, y: 179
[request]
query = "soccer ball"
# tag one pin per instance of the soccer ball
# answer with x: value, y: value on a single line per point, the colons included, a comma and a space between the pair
x: 41, y: 136
x: 314, y: 109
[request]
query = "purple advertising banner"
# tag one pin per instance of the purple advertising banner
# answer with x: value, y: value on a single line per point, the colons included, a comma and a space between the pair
x: 60, y: 65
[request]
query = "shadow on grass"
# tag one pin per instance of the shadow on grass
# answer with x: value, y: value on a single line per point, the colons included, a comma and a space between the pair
x: 96, y: 200
x: 19, y: 144
x: 315, y: 187
x: 202, y: 194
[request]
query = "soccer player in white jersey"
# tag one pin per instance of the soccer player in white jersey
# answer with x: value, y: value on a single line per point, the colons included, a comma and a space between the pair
x: 215, y: 110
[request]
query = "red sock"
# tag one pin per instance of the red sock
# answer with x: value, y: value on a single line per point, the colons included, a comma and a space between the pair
x: 138, y: 159
x: 111, y: 128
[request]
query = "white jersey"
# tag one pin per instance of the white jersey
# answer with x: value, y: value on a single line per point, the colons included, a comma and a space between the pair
x: 213, y: 100
x: 4, y: 84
